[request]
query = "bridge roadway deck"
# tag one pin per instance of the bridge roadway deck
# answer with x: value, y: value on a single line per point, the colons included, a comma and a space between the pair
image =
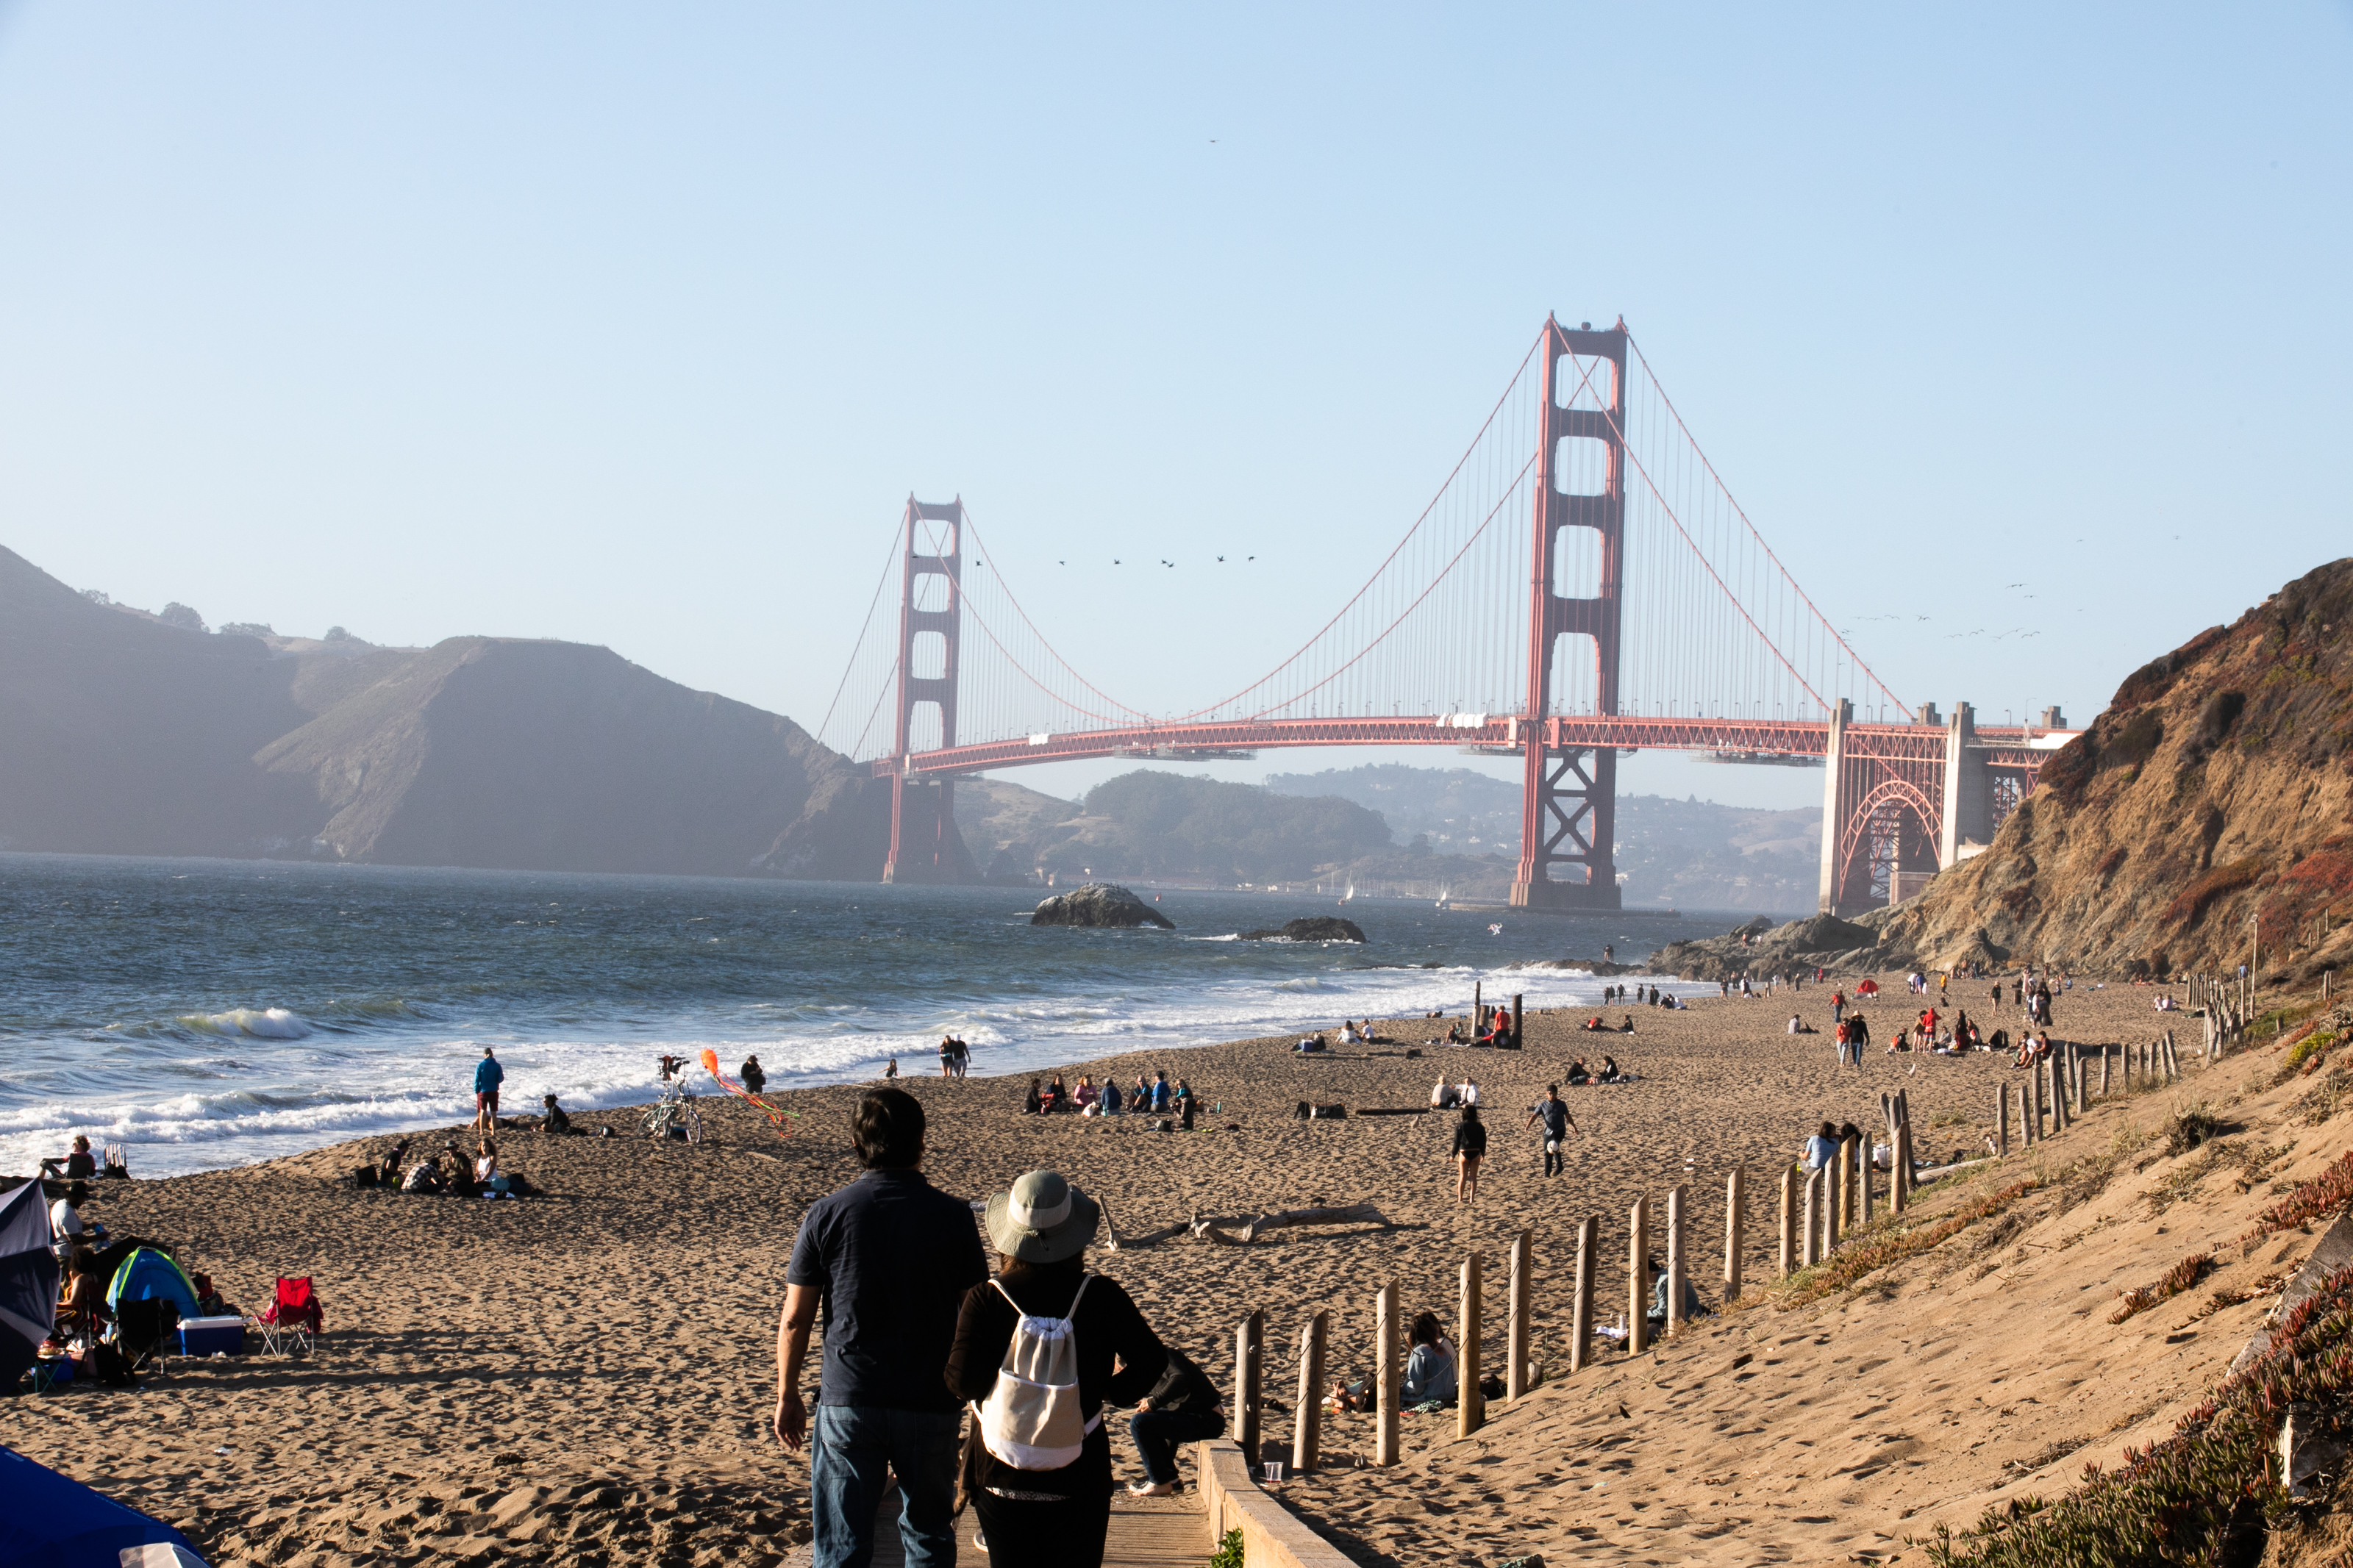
x: 2006, y: 746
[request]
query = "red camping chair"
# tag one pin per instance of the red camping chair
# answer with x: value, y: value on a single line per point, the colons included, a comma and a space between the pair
x: 292, y: 1323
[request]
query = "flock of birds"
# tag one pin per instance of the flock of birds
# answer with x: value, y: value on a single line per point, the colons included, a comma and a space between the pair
x: 1115, y: 561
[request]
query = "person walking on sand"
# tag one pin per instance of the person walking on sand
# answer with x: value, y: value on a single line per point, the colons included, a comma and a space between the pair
x: 755, y: 1077
x: 1035, y: 1353
x: 1554, y: 1112
x: 889, y: 1257
x: 1469, y: 1148
x: 488, y: 1076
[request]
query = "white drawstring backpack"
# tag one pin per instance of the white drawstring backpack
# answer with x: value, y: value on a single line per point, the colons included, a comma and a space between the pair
x: 1032, y: 1419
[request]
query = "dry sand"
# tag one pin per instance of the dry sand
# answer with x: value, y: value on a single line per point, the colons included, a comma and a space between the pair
x: 585, y: 1377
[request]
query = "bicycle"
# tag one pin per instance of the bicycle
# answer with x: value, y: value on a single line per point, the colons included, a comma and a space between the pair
x: 676, y: 1109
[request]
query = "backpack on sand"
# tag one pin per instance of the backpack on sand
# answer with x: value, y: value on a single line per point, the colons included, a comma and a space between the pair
x: 1031, y: 1420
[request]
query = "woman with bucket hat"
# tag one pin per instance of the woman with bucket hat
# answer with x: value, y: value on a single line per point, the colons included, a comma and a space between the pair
x: 1034, y: 1355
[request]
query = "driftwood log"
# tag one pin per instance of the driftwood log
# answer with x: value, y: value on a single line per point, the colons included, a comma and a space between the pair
x: 1216, y: 1228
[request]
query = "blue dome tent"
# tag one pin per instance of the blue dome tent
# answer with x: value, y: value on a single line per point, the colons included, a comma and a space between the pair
x: 49, y: 1520
x: 29, y: 1281
x: 148, y: 1274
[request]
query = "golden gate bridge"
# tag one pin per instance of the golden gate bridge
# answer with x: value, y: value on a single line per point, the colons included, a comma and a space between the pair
x: 1581, y: 586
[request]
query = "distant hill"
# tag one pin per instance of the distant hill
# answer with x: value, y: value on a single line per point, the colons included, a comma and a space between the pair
x: 127, y: 735
x: 1691, y: 854
x: 1165, y: 825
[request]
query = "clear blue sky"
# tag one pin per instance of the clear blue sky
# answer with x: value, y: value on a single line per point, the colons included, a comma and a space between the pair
x: 636, y: 325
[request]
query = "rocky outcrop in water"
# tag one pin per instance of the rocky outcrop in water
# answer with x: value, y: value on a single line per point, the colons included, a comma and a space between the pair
x: 1761, y: 948
x: 1312, y: 928
x: 1099, y: 904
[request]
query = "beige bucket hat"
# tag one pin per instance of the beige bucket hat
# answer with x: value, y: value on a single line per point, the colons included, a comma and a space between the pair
x: 1043, y: 1219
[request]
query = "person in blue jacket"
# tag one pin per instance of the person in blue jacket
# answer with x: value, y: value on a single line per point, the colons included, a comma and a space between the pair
x: 488, y: 1076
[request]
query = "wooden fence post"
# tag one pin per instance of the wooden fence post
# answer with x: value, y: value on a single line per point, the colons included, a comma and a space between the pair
x: 1385, y: 1383
x: 1788, y: 1252
x: 1250, y: 1353
x: 1834, y: 1200
x: 1307, y: 1419
x: 1674, y: 1259
x: 1580, y: 1309
x: 2001, y: 1118
x: 1735, y: 1206
x: 1478, y: 1007
x: 2104, y: 1072
x: 1469, y: 1407
x: 1813, y: 1251
x: 1516, y: 1040
x: 1638, y: 1279
x: 1515, y: 1321
x: 1863, y: 1174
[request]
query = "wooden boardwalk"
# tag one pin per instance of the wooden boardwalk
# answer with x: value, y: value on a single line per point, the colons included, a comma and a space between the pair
x: 1146, y: 1532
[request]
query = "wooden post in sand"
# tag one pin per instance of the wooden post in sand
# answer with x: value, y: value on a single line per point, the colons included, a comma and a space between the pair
x: 2104, y: 1072
x: 2001, y: 1118
x: 1788, y: 1250
x: 1516, y: 1319
x: 1735, y: 1215
x: 1478, y: 1007
x: 1250, y: 1351
x: 2035, y: 1120
x: 1862, y: 1173
x: 1515, y: 1019
x: 1903, y: 1183
x: 1638, y: 1279
x: 1580, y: 1306
x: 1813, y: 1251
x: 1833, y: 1200
x: 1307, y: 1418
x: 1674, y: 1259
x: 1384, y: 1379
x: 1469, y: 1407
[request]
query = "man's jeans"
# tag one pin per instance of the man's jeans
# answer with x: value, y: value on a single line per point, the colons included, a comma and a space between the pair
x: 1157, y: 1432
x: 850, y: 1449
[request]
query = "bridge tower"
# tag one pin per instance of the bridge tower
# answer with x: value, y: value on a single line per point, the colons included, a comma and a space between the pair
x: 1569, y: 799
x: 925, y: 844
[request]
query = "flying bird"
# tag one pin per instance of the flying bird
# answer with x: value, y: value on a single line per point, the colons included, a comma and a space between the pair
x: 1114, y: 559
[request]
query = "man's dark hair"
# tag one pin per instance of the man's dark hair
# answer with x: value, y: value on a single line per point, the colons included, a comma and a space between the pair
x: 888, y: 1130
x: 1552, y: 1088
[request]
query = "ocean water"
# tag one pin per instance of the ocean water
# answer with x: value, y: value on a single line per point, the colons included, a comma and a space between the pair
x: 209, y: 1013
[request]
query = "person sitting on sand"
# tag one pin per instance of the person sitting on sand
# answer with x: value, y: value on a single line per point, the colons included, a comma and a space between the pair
x: 1085, y: 1095
x: 77, y: 1167
x: 1057, y: 1096
x: 1348, y: 1033
x: 1609, y: 1072
x: 387, y: 1170
x: 1592, y: 1025
x: 890, y: 1072
x: 486, y: 1169
x: 1456, y: 1034
x: 1470, y: 1149
x: 1430, y: 1365
x: 1579, y: 1073
x: 1821, y: 1148
x: 1626, y: 1025
x: 1034, y: 1103
x: 1185, y: 1100
x: 555, y: 1122
x: 1441, y: 1095
x: 1107, y: 1102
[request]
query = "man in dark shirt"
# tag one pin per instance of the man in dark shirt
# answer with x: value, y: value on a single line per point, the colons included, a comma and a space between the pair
x: 890, y: 1257
x: 1554, y: 1113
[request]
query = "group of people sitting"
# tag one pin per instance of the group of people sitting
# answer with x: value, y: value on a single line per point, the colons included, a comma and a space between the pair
x: 1579, y: 1073
x: 1453, y: 1096
x: 1153, y: 1096
x: 448, y: 1171
x: 1594, y: 1026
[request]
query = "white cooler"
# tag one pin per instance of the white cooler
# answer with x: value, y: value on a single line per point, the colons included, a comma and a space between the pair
x: 212, y: 1336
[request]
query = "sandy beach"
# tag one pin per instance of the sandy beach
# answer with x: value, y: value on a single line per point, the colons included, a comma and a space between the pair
x: 585, y: 1377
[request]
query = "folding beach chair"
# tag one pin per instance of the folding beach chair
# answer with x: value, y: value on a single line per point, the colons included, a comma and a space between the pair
x: 147, y: 1330
x: 292, y: 1322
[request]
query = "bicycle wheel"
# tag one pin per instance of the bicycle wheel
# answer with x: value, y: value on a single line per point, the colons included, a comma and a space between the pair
x: 691, y: 1115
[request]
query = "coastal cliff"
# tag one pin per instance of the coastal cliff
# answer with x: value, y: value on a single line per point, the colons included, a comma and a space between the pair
x: 2210, y: 806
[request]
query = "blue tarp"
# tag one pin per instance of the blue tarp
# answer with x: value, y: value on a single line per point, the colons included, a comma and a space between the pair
x: 47, y: 1521
x: 149, y: 1276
